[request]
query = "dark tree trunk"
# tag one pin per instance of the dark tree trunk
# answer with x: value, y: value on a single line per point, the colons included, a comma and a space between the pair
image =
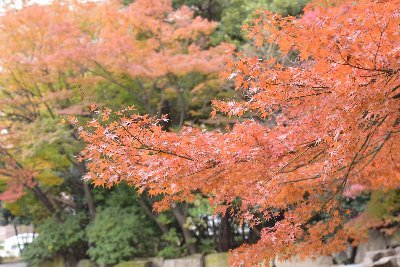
x: 16, y: 234
x: 81, y: 166
x: 254, y: 235
x: 164, y: 110
x: 353, y: 254
x: 86, y: 190
x: 187, y: 235
x: 243, y: 233
x: 153, y: 216
x: 225, y: 240
x: 89, y: 200
x: 43, y: 198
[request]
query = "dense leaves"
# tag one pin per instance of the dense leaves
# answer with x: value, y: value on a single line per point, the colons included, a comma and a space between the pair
x: 322, y: 124
x: 56, y: 239
x: 118, y: 234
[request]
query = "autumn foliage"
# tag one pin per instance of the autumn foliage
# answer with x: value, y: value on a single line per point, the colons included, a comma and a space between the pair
x: 334, y: 108
x: 54, y: 57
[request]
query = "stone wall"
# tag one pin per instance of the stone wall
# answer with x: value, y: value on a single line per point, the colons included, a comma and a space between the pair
x: 212, y: 260
x: 378, y: 258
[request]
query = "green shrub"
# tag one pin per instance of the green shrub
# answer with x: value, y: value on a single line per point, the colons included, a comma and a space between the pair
x: 119, y: 234
x: 174, y: 249
x: 57, y: 238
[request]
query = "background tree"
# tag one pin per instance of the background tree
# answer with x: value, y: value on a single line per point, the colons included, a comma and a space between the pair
x: 232, y: 14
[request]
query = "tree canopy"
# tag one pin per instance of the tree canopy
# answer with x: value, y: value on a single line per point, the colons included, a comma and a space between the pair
x: 317, y: 124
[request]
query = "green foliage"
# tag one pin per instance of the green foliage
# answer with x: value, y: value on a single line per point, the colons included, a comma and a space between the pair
x: 124, y: 91
x: 210, y: 9
x: 201, y: 207
x: 232, y: 14
x: 356, y: 205
x: 377, y: 210
x: 227, y: 10
x: 57, y: 238
x: 198, y: 214
x: 48, y: 148
x: 384, y: 205
x: 51, y: 142
x: 189, y: 96
x: 119, y: 234
x: 238, y: 12
x: 121, y: 196
x: 164, y: 218
x: 287, y: 7
x: 207, y: 245
x: 174, y: 248
x: 27, y: 208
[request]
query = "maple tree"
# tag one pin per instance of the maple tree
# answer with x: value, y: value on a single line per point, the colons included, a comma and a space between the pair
x: 149, y: 44
x: 148, y: 50
x: 320, y: 124
x: 35, y: 88
x: 57, y: 57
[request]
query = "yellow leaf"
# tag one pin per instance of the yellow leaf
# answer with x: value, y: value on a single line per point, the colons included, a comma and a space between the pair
x: 49, y: 178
